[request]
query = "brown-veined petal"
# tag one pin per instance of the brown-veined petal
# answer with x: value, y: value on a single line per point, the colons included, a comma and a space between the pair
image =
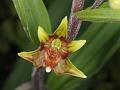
x: 35, y: 57
x: 61, y: 31
x: 75, y: 45
x: 66, y: 67
x: 42, y: 35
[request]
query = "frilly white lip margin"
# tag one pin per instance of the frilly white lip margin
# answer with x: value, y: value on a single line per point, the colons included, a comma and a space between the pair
x: 48, y: 69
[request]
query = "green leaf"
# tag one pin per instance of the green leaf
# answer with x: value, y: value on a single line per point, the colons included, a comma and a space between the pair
x: 99, y: 15
x: 57, y: 10
x: 33, y: 13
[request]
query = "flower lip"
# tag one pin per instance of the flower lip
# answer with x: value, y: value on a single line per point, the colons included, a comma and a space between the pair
x: 52, y: 57
x: 60, y: 44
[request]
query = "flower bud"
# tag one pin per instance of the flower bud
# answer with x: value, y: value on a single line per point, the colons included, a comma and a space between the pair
x: 114, y: 4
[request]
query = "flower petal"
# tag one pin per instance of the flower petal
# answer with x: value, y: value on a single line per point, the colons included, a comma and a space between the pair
x: 61, y: 31
x: 75, y: 45
x: 34, y: 56
x: 42, y: 35
x: 66, y: 67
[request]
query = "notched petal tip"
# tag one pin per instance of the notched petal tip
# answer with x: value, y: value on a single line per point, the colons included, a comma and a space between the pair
x: 75, y: 45
x: 66, y: 67
x: 61, y: 31
x: 42, y: 35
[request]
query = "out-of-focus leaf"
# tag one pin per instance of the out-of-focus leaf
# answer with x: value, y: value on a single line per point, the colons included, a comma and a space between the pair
x: 99, y: 15
x: 21, y: 74
x: 22, y: 71
x: 57, y: 10
x: 33, y: 13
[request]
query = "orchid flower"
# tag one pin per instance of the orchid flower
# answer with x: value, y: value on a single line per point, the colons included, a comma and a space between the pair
x: 54, y: 51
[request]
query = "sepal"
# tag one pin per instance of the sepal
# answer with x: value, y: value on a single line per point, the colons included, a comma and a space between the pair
x: 66, y: 67
x: 75, y: 45
x: 35, y: 57
x: 42, y: 35
x: 61, y: 31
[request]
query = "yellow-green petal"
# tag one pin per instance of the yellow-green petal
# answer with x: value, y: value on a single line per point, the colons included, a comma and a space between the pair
x: 75, y: 45
x: 66, y: 67
x: 42, y: 35
x: 34, y: 56
x: 61, y: 31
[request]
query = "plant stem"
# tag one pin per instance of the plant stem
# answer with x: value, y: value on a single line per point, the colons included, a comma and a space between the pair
x: 74, y: 23
x: 97, y: 3
x: 38, y: 78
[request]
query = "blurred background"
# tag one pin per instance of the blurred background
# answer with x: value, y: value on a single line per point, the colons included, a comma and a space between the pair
x: 14, y: 71
x: 10, y: 35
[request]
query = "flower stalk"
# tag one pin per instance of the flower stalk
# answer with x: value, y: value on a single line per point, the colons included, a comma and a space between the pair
x: 74, y: 23
x: 96, y: 4
x: 38, y: 78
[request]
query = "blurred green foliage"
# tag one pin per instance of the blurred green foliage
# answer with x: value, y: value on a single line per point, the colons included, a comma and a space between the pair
x: 99, y: 58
